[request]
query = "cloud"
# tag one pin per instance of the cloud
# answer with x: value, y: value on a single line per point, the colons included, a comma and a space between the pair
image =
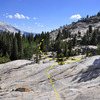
x: 5, y: 14
x: 9, y: 16
x: 39, y: 25
x: 16, y: 16
x: 35, y: 18
x: 20, y: 16
x: 27, y: 17
x: 77, y: 16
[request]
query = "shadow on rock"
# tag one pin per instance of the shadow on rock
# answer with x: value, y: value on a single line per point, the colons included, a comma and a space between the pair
x: 92, y: 72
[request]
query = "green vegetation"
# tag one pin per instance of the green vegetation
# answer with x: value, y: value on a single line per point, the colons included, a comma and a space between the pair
x: 14, y: 46
x: 98, y: 51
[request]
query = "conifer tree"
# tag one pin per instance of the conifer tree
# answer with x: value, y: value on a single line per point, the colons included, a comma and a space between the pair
x: 59, y: 36
x: 74, y: 40
x: 70, y: 47
x: 66, y: 50
x: 90, y: 29
x: 98, y: 50
x: 94, y: 38
x: 20, y: 47
x: 15, y: 49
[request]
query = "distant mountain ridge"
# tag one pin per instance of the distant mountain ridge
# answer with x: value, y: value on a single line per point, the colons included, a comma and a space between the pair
x: 81, y: 26
x: 10, y: 28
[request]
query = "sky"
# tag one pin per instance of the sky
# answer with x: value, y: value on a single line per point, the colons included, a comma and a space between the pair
x: 45, y: 15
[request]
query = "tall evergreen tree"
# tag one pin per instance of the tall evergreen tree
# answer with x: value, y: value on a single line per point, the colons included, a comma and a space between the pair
x: 74, y: 40
x: 90, y: 29
x: 66, y: 50
x: 70, y: 47
x: 15, y: 49
x: 94, y: 38
x: 59, y: 36
x: 20, y: 47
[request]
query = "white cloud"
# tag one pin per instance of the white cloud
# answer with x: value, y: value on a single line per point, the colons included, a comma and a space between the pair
x: 39, y: 25
x: 27, y: 17
x: 9, y: 16
x: 5, y: 14
x: 16, y: 16
x: 35, y: 18
x: 20, y: 16
x: 77, y: 16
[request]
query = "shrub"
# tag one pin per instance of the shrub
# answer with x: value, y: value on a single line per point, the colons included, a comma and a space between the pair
x: 61, y: 63
x: 98, y: 50
x: 61, y: 55
x: 4, y: 60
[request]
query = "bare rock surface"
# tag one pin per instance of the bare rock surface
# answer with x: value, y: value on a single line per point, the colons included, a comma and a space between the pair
x: 75, y: 81
x: 81, y: 26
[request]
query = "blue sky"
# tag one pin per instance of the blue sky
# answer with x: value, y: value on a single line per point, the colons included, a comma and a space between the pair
x: 45, y: 15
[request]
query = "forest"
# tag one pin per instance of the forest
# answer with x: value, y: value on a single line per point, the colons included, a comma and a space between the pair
x: 14, y: 46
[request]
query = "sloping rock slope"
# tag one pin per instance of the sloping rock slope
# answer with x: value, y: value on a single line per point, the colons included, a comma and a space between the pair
x: 81, y: 26
x: 22, y: 80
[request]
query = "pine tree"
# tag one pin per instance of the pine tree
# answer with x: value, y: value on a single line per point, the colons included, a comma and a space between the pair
x: 58, y: 46
x: 94, y: 38
x: 87, y: 52
x: 98, y: 14
x: 4, y: 43
x: 59, y: 36
x: 1, y: 53
x: 15, y: 49
x: 79, y: 34
x: 9, y: 46
x: 7, y: 55
x: 84, y: 40
x: 66, y: 50
x: 87, y: 16
x: 70, y: 47
x: 90, y: 29
x: 74, y: 40
x: 20, y: 47
x: 98, y: 50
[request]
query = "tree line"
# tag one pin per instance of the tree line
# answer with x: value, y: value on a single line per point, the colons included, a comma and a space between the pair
x: 14, y: 46
x: 17, y: 46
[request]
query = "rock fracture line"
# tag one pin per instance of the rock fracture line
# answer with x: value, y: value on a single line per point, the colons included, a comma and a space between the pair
x: 55, y: 64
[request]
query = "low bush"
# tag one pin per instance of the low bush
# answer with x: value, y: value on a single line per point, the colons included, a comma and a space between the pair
x: 4, y: 60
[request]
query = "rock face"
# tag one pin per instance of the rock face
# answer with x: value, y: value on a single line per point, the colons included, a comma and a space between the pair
x: 75, y: 81
x: 81, y: 26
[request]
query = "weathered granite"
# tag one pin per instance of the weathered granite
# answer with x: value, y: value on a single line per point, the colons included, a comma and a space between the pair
x: 75, y: 81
